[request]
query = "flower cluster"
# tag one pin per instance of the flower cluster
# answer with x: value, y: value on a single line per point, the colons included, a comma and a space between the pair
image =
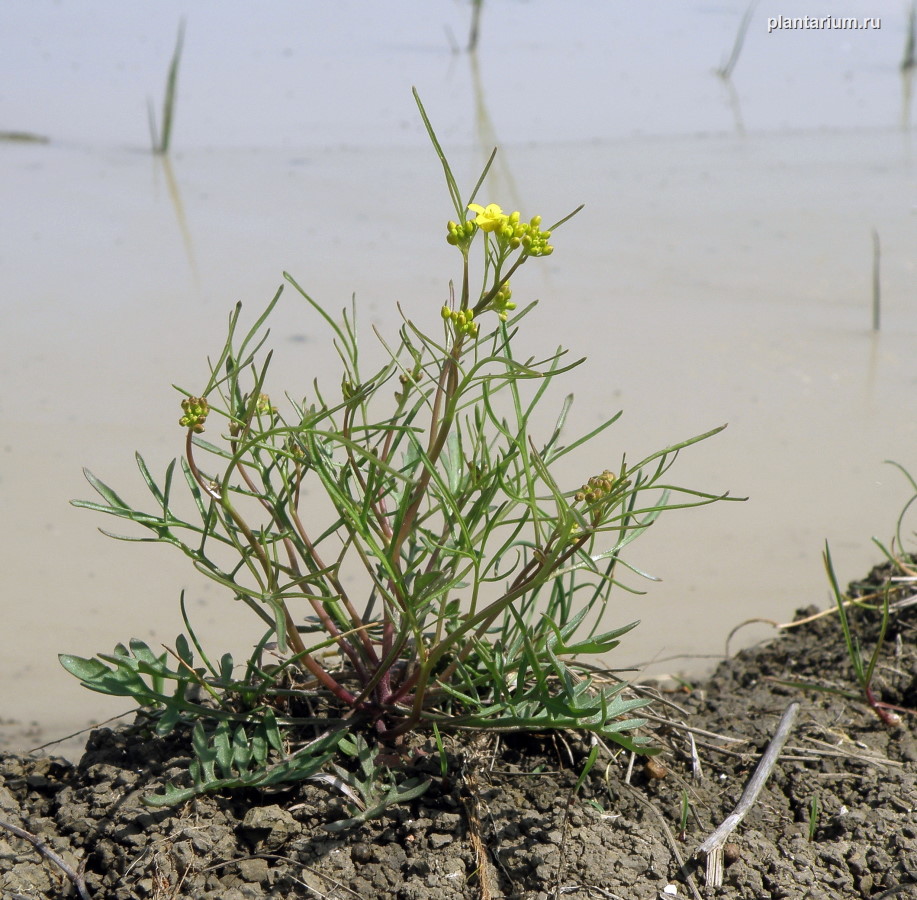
x: 509, y: 235
x: 462, y: 320
x: 596, y: 488
x: 510, y: 232
x: 196, y: 409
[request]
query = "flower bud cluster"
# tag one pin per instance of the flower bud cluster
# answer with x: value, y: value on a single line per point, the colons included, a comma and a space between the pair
x: 414, y: 376
x: 196, y: 409
x: 460, y: 234
x: 462, y: 320
x: 294, y: 448
x: 596, y: 488
x: 501, y: 303
x: 534, y: 241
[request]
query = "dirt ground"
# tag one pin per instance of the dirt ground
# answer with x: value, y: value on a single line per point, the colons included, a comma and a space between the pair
x: 504, y: 821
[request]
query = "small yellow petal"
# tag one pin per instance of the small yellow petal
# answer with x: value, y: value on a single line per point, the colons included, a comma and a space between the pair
x: 490, y: 217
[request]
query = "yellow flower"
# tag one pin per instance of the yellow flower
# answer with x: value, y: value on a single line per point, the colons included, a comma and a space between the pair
x: 490, y: 217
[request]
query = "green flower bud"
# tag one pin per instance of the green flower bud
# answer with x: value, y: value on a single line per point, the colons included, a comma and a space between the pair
x: 195, y: 409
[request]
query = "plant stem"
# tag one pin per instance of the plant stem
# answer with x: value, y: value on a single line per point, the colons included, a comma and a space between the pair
x: 301, y: 654
x: 439, y: 432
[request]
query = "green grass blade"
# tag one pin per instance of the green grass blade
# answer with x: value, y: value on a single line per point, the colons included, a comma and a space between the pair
x: 853, y: 649
x: 168, y: 109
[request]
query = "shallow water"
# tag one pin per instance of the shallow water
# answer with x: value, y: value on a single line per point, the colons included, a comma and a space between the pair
x: 720, y: 272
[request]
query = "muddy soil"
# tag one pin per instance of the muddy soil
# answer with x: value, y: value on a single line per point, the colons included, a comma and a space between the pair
x: 504, y: 821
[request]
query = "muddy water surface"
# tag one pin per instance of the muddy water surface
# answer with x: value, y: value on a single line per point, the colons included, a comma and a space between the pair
x: 720, y: 272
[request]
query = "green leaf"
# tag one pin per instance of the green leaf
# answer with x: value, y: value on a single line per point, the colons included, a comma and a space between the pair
x: 183, y: 649
x: 223, y: 748
x: 272, y: 732
x: 170, y: 717
x: 87, y: 670
x: 450, y: 178
x: 104, y: 491
x: 118, y: 682
x: 242, y: 753
x: 226, y: 668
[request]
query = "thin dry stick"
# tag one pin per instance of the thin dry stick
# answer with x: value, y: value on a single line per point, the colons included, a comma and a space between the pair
x: 67, y: 737
x: 48, y: 853
x: 673, y: 846
x: 713, y: 846
x: 680, y: 726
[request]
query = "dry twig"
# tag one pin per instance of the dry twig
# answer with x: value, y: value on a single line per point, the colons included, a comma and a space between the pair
x: 713, y: 846
x: 75, y: 877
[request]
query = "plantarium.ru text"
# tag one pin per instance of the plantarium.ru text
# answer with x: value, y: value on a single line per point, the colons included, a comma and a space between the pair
x: 455, y: 584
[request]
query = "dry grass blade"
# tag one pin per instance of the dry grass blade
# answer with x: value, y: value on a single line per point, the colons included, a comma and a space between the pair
x: 726, y: 69
x: 910, y: 58
x: 826, y: 749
